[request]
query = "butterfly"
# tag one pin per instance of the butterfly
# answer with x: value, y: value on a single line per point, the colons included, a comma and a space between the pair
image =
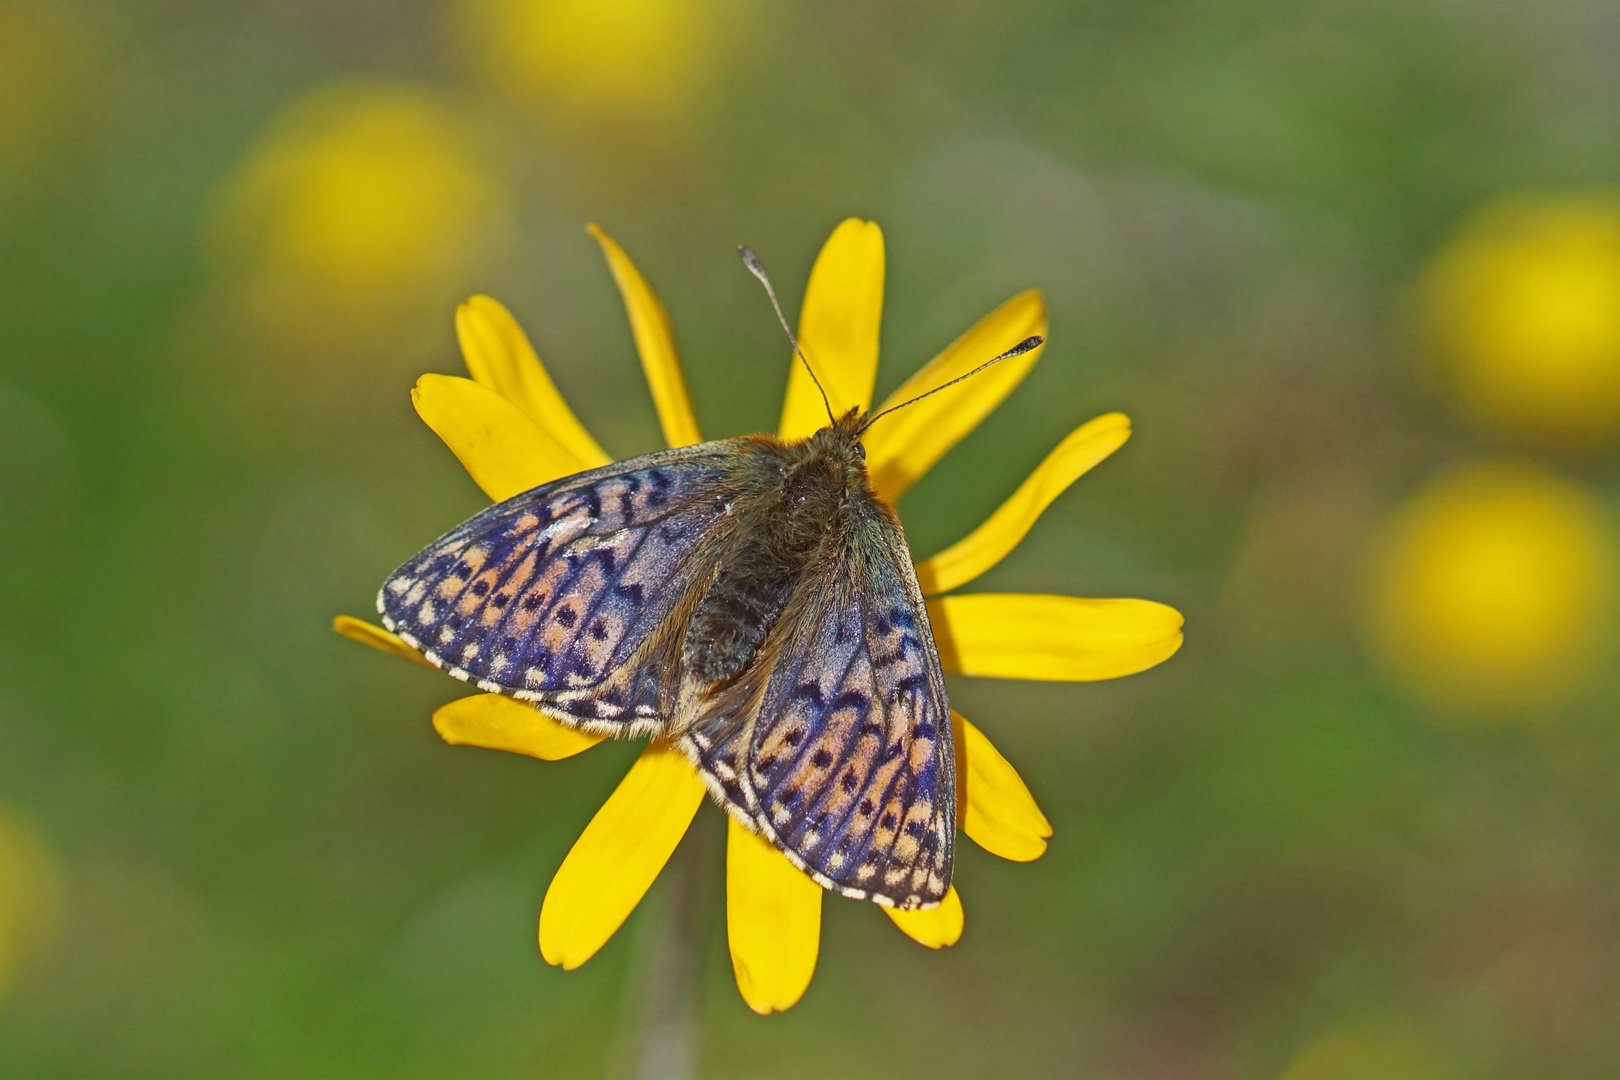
x: 749, y: 601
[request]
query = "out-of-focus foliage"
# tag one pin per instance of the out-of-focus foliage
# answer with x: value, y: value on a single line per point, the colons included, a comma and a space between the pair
x: 1370, y: 1052
x: 53, y: 62
x: 1323, y: 255
x: 30, y: 897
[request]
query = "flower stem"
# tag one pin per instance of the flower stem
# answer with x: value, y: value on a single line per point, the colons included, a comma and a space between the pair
x: 665, y: 1042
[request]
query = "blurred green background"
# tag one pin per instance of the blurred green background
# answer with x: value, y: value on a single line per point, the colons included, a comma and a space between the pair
x: 1365, y: 824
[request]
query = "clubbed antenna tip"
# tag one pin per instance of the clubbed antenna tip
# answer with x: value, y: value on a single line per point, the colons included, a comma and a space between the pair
x: 1031, y: 342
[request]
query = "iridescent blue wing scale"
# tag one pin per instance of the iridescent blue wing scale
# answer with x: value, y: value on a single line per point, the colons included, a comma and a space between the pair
x: 845, y: 761
x: 563, y: 596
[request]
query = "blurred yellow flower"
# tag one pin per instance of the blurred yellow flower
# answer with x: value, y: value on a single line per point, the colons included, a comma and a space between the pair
x: 1372, y: 1051
x: 1524, y: 309
x: 1494, y: 589
x: 645, y: 58
x: 512, y: 430
x: 362, y: 201
x: 30, y: 895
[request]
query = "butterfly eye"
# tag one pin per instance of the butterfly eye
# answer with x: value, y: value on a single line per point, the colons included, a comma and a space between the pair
x: 860, y: 452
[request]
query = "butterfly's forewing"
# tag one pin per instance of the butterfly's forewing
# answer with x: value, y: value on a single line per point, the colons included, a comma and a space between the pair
x: 563, y: 596
x: 848, y: 761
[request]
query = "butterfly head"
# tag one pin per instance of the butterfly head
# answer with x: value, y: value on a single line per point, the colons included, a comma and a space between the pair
x: 839, y: 445
x: 825, y: 471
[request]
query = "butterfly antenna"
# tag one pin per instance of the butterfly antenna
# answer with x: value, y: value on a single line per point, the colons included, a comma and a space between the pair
x: 751, y: 261
x: 1017, y: 350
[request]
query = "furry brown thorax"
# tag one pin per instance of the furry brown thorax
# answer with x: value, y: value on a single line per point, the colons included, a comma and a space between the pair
x: 805, y: 497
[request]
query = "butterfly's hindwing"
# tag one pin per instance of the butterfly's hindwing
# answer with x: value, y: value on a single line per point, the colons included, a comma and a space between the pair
x: 562, y: 596
x: 850, y: 768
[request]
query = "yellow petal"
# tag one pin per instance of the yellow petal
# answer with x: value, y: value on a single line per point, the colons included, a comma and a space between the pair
x: 902, y: 447
x: 773, y: 922
x: 935, y: 927
x: 998, y: 812
x: 655, y: 341
x: 501, y: 448
x: 616, y: 858
x: 1032, y: 636
x: 989, y: 543
x: 500, y: 723
x: 838, y: 329
x: 499, y: 356
x: 378, y: 638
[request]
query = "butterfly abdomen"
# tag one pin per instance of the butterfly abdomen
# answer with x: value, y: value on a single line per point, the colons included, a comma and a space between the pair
x: 731, y: 622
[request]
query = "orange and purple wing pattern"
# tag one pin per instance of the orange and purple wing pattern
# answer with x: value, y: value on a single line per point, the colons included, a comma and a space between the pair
x: 557, y: 596
x: 849, y: 766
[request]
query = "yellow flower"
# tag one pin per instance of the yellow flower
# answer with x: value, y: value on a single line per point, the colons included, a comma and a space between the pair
x: 512, y: 430
x: 1494, y: 588
x: 1524, y: 309
x: 626, y: 58
x: 362, y: 203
